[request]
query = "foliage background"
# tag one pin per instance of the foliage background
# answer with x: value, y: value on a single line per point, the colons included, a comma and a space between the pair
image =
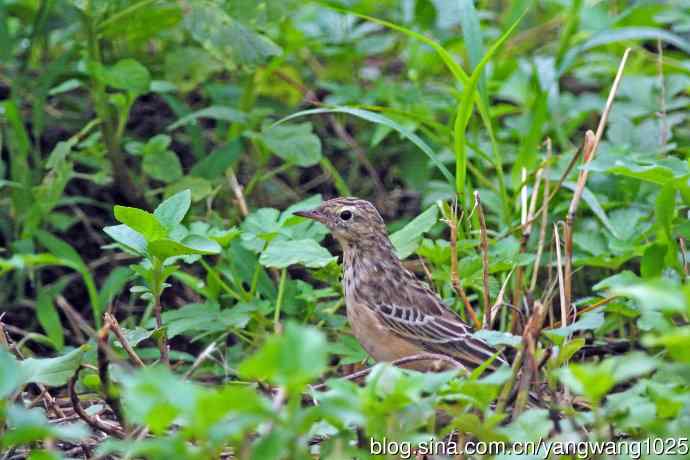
x: 113, y: 109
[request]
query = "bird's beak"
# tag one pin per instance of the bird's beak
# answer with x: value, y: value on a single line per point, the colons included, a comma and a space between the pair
x: 313, y: 214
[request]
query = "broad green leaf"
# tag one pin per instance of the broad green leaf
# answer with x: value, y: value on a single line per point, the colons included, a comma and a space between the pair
x: 382, y: 120
x: 165, y: 247
x: 591, y: 320
x: 594, y: 205
x: 652, y: 263
x: 172, y: 210
x: 568, y: 349
x: 624, y: 278
x: 53, y: 372
x: 135, y: 336
x: 407, y: 239
x: 293, y: 359
x: 130, y: 239
x: 676, y: 341
x: 206, y: 317
x: 283, y: 253
x: 495, y: 338
x: 659, y: 295
x: 217, y: 162
x: 213, y: 112
x: 164, y: 166
x: 294, y: 143
x: 13, y: 376
x: 665, y: 208
x: 128, y: 74
x: 226, y: 39
x: 27, y: 426
x: 200, y: 187
x: 141, y: 221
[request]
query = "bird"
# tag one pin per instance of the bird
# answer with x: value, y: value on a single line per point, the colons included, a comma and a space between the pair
x: 391, y: 312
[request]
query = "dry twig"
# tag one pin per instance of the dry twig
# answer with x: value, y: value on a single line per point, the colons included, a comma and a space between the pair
x: 485, y: 260
x: 559, y: 268
x: 117, y: 330
x: 589, y: 151
x: 453, y: 220
x: 91, y: 421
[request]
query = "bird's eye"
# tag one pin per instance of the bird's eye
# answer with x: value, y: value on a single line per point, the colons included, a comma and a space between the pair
x: 346, y: 215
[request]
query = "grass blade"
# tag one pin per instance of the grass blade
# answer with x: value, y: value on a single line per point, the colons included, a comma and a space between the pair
x: 382, y: 120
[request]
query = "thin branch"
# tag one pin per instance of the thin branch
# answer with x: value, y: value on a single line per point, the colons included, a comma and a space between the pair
x: 544, y: 219
x: 452, y: 221
x: 238, y: 191
x: 589, y: 151
x: 91, y: 421
x: 559, y: 265
x: 485, y: 260
x: 200, y: 359
x: 117, y: 330
x: 663, y: 137
x: 111, y: 396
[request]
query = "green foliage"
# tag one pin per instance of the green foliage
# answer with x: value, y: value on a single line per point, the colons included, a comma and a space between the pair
x: 231, y: 115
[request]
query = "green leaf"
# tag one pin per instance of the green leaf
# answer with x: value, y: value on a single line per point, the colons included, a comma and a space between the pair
x: 464, y: 110
x: 407, y: 239
x: 128, y: 74
x: 200, y: 187
x: 213, y: 112
x: 141, y: 221
x: 293, y: 359
x: 623, y: 34
x: 652, y: 263
x: 665, y: 208
x: 67, y: 253
x: 655, y: 295
x: 495, y: 338
x: 135, y: 336
x: 676, y: 341
x: 13, y: 376
x: 53, y: 372
x: 27, y: 426
x: 172, y: 210
x: 113, y: 284
x: 165, y: 247
x: 217, y: 162
x: 49, y: 318
x: 382, y: 120
x: 568, y: 349
x: 164, y: 166
x: 283, y: 253
x: 226, y: 39
x: 294, y: 143
x: 591, y: 320
x: 596, y: 208
x: 131, y: 240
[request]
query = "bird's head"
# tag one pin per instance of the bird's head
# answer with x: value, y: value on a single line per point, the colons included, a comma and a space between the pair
x: 352, y: 221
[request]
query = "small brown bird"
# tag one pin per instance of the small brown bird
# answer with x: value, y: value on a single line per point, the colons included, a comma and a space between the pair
x: 392, y: 313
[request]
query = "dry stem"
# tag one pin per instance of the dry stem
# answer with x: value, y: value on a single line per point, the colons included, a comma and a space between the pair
x: 590, y: 148
x: 559, y: 265
x: 114, y: 326
x: 452, y: 222
x: 544, y: 219
x: 91, y: 421
x: 485, y: 260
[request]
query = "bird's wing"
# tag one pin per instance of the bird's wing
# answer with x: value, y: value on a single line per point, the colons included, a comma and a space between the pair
x: 443, y: 334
